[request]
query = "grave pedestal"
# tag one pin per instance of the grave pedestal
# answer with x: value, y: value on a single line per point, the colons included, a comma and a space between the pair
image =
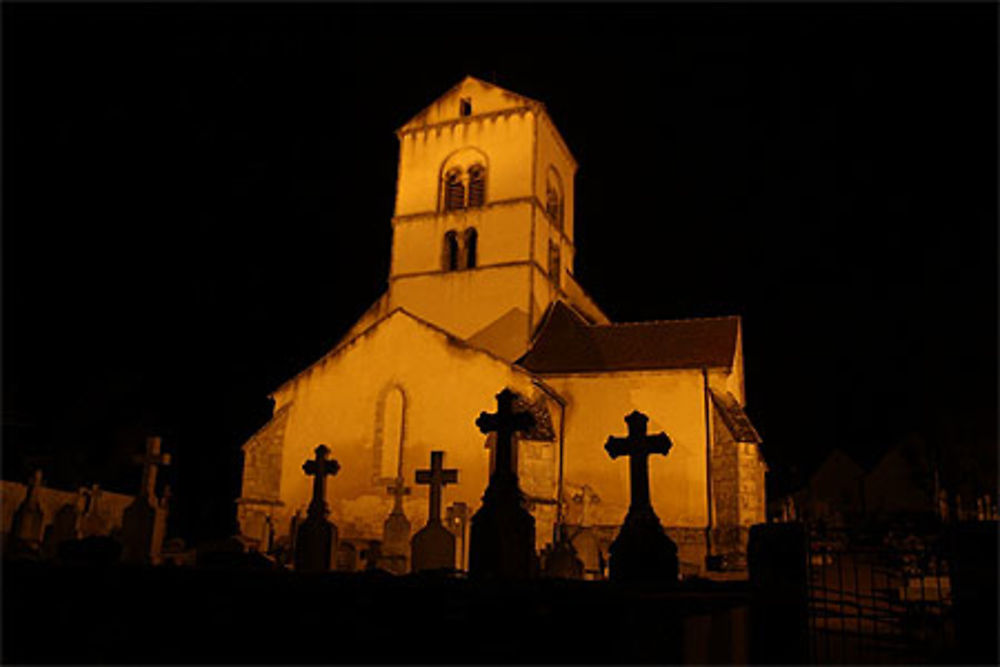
x: 143, y: 527
x: 562, y: 561
x: 502, y: 538
x: 642, y: 551
x: 315, y: 545
x: 433, y: 548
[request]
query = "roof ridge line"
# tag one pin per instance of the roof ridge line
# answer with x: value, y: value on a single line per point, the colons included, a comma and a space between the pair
x: 665, y: 321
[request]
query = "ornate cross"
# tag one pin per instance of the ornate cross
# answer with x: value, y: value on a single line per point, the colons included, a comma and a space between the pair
x: 504, y: 422
x: 398, y: 489
x: 638, y: 446
x: 437, y: 477
x: 150, y: 462
x: 319, y: 468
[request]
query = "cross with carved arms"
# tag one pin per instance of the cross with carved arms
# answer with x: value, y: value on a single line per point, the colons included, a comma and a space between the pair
x: 398, y: 489
x: 437, y: 477
x: 150, y: 462
x: 504, y: 422
x: 638, y: 446
x: 319, y: 468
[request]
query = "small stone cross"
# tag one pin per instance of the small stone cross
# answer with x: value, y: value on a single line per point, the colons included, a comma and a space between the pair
x: 398, y: 489
x: 504, y: 422
x: 319, y: 468
x: 149, y: 462
x: 436, y: 477
x: 638, y: 446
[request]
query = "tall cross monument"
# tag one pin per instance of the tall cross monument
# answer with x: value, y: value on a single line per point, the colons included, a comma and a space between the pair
x: 642, y: 551
x: 433, y: 546
x: 144, y: 522
x: 502, y: 537
x: 316, y: 537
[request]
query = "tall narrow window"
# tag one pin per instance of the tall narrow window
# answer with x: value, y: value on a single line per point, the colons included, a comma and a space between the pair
x: 450, y: 251
x: 554, y: 262
x: 454, y: 191
x: 554, y: 206
x: 477, y: 185
x: 390, y: 431
x: 471, y: 239
x: 465, y: 106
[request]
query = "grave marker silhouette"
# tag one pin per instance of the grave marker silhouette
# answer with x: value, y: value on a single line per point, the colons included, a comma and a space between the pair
x: 396, y: 531
x: 642, y: 551
x: 502, y: 536
x: 433, y: 546
x: 316, y: 537
x: 144, y: 521
x: 29, y: 519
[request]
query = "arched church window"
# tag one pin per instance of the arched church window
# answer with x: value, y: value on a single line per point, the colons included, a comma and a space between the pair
x: 471, y: 240
x: 554, y: 205
x: 450, y: 259
x: 454, y: 191
x: 390, y: 430
x: 477, y: 185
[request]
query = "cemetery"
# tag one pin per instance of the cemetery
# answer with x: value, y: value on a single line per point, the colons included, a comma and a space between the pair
x: 117, y: 598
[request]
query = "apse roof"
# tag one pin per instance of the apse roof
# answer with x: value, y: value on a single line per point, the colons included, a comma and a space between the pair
x: 566, y: 343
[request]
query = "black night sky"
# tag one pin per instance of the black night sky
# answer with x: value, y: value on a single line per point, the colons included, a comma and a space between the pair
x: 196, y: 205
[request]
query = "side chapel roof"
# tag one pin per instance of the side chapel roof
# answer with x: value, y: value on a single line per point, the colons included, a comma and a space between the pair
x: 566, y: 343
x: 734, y: 417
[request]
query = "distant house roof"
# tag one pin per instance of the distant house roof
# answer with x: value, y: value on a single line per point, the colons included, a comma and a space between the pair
x: 566, y: 343
x: 734, y: 418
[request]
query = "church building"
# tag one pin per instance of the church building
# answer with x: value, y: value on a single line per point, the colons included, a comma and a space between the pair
x: 481, y: 296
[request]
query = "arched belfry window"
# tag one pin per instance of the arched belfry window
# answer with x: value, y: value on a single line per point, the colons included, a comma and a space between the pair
x: 463, y: 180
x: 477, y: 185
x: 554, y: 205
x: 454, y: 190
x: 450, y: 251
x: 471, y: 240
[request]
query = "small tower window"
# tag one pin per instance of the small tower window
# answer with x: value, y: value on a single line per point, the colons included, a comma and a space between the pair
x: 450, y: 258
x: 454, y: 191
x: 465, y: 106
x: 471, y: 239
x: 554, y: 262
x: 477, y: 185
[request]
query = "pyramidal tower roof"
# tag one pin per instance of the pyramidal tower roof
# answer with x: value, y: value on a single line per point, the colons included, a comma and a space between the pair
x: 486, y: 98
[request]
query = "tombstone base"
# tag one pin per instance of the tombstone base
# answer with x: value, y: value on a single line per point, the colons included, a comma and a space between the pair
x: 642, y: 551
x: 143, y: 529
x: 502, y: 538
x: 315, y: 545
x: 432, y: 548
x: 562, y: 562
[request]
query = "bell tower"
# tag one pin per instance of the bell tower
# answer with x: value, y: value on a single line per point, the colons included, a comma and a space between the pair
x: 483, y: 227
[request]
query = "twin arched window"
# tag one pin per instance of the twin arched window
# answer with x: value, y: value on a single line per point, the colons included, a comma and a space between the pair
x: 464, y: 188
x: 460, y: 253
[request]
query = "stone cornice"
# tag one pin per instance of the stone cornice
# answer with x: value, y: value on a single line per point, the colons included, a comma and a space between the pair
x: 513, y: 201
x: 466, y: 120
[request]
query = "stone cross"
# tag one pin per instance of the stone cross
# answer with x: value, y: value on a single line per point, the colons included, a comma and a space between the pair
x: 319, y: 468
x: 504, y: 422
x: 150, y: 461
x: 397, y: 490
x: 436, y: 477
x: 638, y: 446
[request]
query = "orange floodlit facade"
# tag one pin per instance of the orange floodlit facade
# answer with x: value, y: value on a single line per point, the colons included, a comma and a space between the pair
x: 481, y: 296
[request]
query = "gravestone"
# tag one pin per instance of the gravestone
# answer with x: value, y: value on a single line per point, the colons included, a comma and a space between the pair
x: 456, y: 520
x: 502, y: 535
x: 347, y: 557
x: 372, y: 555
x: 316, y: 538
x: 94, y: 523
x: 29, y: 521
x: 642, y: 551
x: 65, y: 526
x: 396, y: 532
x: 561, y: 561
x: 144, y: 522
x: 433, y: 546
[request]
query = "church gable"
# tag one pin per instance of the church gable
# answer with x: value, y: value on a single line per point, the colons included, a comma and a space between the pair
x: 470, y: 97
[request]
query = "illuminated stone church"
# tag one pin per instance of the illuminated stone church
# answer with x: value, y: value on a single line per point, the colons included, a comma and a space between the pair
x: 481, y: 295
